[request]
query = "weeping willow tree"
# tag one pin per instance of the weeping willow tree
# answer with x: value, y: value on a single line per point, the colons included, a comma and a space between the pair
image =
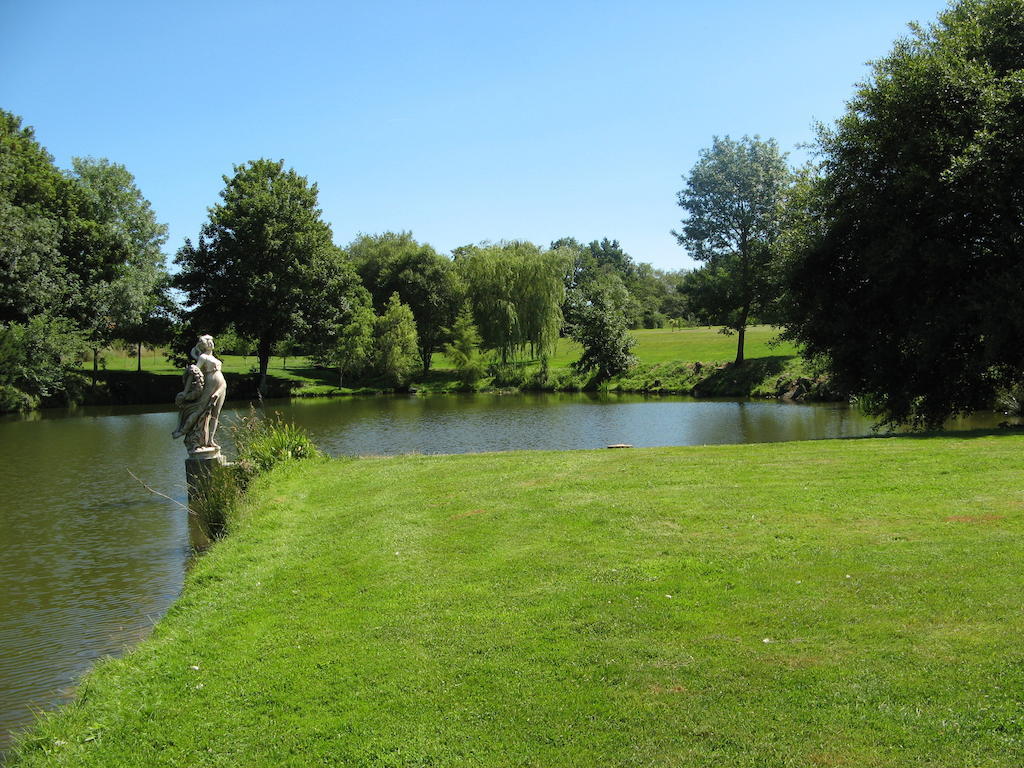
x: 516, y: 291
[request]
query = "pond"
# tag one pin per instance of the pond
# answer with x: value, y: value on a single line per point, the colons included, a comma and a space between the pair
x: 92, y: 560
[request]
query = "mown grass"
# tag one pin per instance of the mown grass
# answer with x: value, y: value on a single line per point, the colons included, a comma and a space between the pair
x: 657, y: 345
x: 154, y: 361
x: 660, y: 345
x: 661, y: 355
x: 791, y: 604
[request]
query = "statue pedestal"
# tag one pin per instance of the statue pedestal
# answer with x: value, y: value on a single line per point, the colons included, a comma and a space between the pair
x: 204, y: 475
x: 199, y: 468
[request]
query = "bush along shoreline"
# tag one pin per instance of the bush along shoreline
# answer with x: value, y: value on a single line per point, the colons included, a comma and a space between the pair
x: 764, y: 378
x: 779, y: 378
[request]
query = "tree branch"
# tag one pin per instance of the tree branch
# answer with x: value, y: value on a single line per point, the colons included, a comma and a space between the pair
x: 157, y: 493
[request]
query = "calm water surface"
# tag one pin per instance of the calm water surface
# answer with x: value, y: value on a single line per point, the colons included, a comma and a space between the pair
x: 91, y: 560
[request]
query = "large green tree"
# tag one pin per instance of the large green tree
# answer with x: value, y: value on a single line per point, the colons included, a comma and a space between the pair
x: 424, y: 280
x: 347, y: 342
x: 601, y: 329
x: 264, y: 260
x: 31, y: 225
x: 123, y: 278
x: 395, y: 345
x: 908, y: 280
x: 516, y: 290
x: 733, y: 202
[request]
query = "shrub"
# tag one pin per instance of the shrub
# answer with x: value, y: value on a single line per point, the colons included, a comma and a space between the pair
x: 464, y: 349
x: 507, y: 374
x: 38, y: 359
x: 263, y: 442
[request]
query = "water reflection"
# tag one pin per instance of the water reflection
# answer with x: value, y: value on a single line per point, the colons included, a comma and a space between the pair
x: 469, y: 423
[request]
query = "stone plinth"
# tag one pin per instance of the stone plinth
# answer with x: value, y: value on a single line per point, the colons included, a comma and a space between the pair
x: 199, y: 468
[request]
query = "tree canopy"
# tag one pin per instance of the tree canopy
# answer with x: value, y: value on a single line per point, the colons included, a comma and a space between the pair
x: 80, y: 254
x: 732, y: 201
x: 516, y: 291
x: 908, y: 282
x: 395, y: 343
x: 601, y: 329
x: 424, y: 280
x: 33, y: 224
x: 264, y: 261
x: 123, y: 283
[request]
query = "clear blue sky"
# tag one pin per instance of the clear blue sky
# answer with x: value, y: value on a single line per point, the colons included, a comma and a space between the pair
x: 460, y: 121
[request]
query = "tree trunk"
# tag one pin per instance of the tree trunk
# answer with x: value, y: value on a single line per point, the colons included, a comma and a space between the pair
x: 95, y: 366
x: 425, y: 356
x: 341, y: 377
x: 742, y: 332
x: 264, y: 356
x: 139, y: 356
x: 739, y: 346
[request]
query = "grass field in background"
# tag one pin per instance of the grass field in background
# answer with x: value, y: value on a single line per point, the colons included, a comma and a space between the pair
x: 661, y: 345
x: 653, y: 346
x: 830, y: 603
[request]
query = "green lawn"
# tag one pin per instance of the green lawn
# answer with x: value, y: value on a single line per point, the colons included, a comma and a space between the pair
x: 832, y: 603
x: 658, y: 345
x: 155, y: 362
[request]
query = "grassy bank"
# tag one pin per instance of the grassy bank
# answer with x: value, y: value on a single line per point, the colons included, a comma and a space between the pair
x: 793, y: 604
x: 683, y: 361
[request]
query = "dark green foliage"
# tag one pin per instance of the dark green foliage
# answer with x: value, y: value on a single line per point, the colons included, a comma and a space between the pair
x: 37, y: 359
x: 83, y: 245
x: 507, y: 374
x: 123, y: 286
x: 347, y: 343
x: 602, y: 331
x: 733, y: 199
x: 33, y: 224
x: 264, y: 260
x: 652, y: 293
x: 910, y: 287
x: 424, y: 280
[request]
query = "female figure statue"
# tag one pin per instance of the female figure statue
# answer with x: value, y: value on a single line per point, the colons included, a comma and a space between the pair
x: 201, y: 399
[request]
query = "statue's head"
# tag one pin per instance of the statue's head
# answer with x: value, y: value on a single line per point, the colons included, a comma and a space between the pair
x: 203, y: 347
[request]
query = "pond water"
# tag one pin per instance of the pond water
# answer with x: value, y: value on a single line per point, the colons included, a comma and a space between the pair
x: 91, y: 560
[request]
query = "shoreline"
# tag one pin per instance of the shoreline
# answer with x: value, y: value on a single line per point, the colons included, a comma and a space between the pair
x: 773, y: 378
x: 357, y: 601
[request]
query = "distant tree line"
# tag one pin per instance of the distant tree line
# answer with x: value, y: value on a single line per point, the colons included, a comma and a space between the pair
x: 894, y: 259
x: 81, y: 254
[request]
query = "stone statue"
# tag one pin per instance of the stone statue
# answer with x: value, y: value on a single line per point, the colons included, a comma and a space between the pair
x: 201, y: 400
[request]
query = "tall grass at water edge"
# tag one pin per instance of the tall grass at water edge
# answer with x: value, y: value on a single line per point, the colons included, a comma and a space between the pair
x: 261, y: 443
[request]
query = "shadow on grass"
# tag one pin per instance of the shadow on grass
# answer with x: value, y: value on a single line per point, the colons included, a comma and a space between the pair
x: 944, y: 434
x: 739, y: 380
